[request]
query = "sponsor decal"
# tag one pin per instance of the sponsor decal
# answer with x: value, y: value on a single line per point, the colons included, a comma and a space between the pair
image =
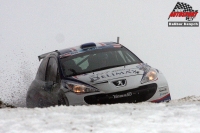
x: 108, y: 74
x: 162, y: 89
x: 183, y: 10
x: 120, y: 83
x: 128, y: 94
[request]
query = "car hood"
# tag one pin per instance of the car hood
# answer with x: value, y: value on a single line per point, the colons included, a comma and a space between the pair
x: 104, y: 79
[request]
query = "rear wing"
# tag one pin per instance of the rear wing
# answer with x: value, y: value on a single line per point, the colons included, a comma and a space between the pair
x: 44, y: 55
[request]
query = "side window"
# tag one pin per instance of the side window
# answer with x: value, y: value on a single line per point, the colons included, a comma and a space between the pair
x: 52, y: 69
x: 42, y: 70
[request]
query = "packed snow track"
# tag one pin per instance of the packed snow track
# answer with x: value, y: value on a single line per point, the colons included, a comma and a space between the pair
x: 177, y: 116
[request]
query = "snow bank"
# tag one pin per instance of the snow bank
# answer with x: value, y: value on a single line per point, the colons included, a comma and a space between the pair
x: 189, y: 99
x: 180, y: 116
x: 186, y: 100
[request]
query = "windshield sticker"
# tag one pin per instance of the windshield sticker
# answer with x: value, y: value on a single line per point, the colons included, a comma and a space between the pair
x: 115, y: 73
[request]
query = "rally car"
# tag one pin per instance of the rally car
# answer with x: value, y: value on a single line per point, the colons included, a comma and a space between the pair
x: 95, y: 73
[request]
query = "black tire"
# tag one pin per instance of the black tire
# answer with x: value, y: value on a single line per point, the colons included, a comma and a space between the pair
x: 63, y: 100
x: 66, y: 101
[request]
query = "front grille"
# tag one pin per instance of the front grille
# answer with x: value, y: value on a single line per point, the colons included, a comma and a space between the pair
x: 140, y: 94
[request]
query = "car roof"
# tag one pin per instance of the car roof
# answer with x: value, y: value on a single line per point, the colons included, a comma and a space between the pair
x: 91, y: 46
x: 82, y: 48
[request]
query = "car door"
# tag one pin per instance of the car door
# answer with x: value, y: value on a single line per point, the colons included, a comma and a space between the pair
x: 52, y: 82
x: 35, y: 94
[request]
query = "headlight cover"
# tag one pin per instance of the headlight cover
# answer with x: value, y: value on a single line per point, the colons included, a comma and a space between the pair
x: 80, y: 88
x: 151, y: 75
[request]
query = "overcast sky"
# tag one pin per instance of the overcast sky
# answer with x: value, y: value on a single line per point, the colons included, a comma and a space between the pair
x: 32, y: 27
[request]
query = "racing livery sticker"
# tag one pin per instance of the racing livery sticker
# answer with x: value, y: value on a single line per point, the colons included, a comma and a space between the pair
x: 120, y: 72
x: 128, y: 94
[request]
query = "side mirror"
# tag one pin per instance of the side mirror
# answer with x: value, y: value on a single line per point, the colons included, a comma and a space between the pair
x: 48, y: 85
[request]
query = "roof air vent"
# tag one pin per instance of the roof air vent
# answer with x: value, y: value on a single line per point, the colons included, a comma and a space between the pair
x: 88, y: 45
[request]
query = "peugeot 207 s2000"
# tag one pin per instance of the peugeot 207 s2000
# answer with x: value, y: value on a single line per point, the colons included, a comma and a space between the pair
x: 95, y: 73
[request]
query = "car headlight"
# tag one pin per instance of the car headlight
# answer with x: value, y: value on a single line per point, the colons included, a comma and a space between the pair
x: 151, y: 75
x: 80, y: 88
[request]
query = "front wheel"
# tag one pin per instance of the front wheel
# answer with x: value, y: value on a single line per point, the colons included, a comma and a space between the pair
x: 63, y: 100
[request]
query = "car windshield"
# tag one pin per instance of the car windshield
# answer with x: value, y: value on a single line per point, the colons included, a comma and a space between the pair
x: 95, y: 60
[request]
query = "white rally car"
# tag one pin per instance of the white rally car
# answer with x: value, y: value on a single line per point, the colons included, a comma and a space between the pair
x: 95, y: 73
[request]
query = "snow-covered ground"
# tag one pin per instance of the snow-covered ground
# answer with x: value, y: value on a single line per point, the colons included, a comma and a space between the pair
x: 177, y: 116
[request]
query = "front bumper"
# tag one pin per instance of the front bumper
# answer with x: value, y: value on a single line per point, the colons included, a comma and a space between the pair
x: 140, y: 94
x: 157, y: 91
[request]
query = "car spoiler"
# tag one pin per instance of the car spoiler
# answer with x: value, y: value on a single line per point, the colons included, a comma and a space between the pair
x: 44, y: 55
